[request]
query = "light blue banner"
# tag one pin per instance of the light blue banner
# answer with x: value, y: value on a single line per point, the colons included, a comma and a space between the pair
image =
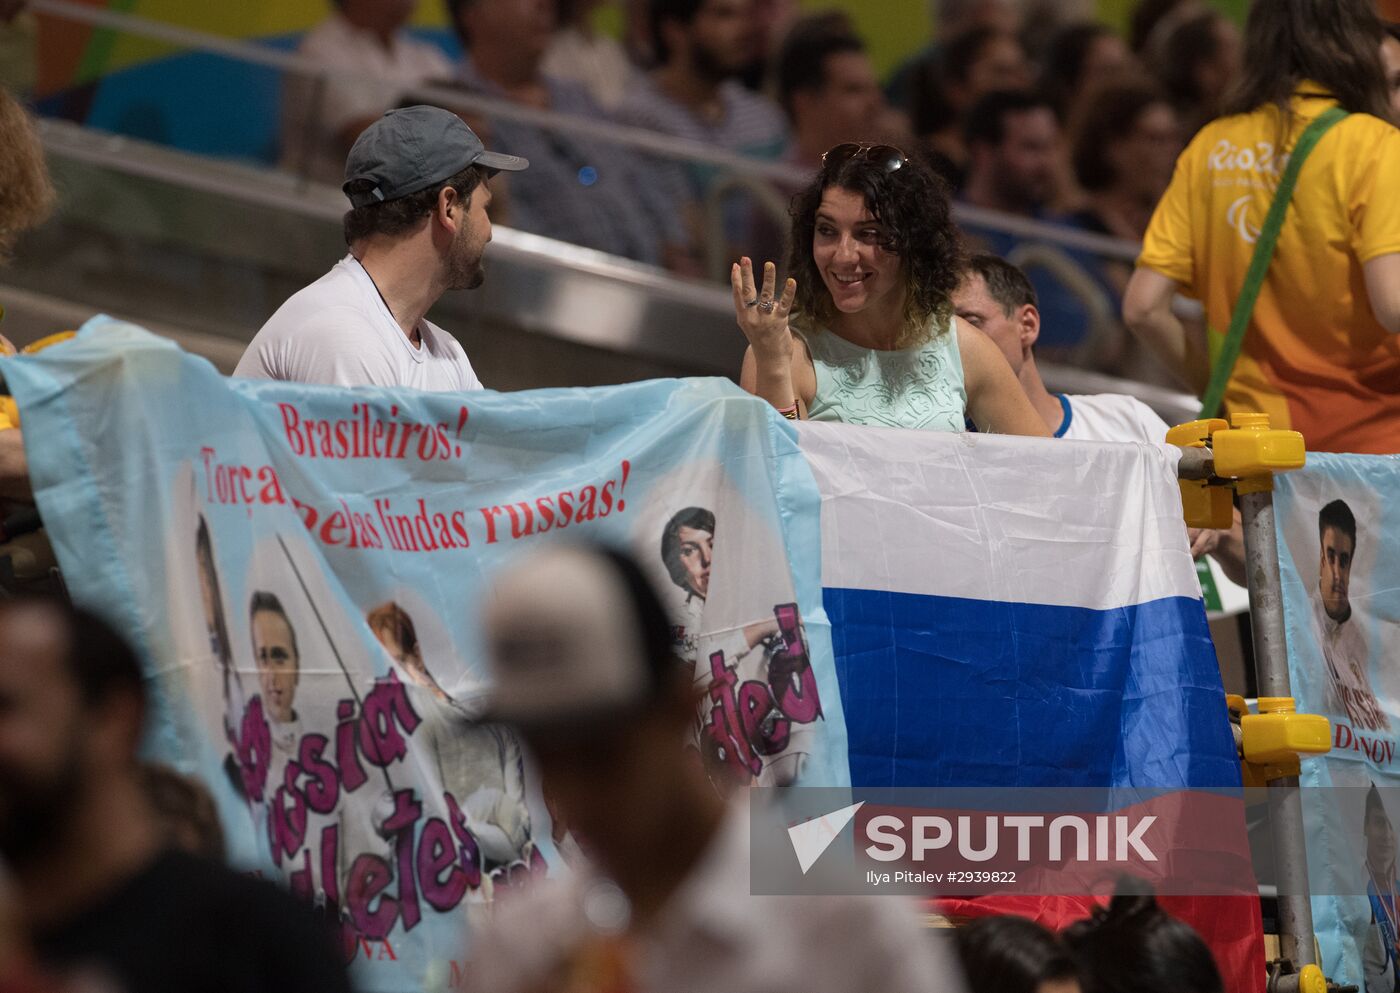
x: 1338, y: 524
x: 302, y: 569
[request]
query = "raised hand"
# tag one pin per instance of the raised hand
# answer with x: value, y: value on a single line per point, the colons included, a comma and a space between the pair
x: 762, y: 318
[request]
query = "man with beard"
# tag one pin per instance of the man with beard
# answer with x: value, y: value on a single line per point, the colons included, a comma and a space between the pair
x: 105, y: 898
x: 694, y: 93
x: 416, y: 180
x: 1013, y: 147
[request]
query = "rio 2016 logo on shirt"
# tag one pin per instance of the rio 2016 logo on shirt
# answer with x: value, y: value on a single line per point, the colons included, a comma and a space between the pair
x: 1256, y: 158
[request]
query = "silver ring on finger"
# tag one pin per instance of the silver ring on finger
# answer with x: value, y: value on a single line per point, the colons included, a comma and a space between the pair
x: 751, y: 303
x: 765, y: 306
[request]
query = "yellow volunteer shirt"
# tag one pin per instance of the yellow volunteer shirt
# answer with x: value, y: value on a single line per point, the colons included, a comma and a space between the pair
x: 1314, y: 358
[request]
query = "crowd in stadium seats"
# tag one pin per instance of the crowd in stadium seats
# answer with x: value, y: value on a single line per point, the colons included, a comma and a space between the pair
x: 1024, y: 109
x: 755, y: 80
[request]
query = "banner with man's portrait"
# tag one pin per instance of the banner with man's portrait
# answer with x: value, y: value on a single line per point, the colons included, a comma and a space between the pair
x: 1338, y: 524
x: 307, y: 565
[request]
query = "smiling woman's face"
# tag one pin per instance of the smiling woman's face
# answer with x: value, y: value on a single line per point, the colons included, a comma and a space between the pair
x: 848, y: 246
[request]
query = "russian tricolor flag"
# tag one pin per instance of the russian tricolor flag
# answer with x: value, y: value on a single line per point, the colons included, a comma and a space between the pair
x: 1013, y: 612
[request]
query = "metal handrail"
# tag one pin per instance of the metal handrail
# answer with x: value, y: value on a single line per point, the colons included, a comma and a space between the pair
x: 781, y: 174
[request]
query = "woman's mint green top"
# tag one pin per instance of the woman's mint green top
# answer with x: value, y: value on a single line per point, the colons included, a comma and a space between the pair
x: 920, y: 387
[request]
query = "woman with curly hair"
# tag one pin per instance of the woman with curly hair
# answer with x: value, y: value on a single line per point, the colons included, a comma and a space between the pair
x: 865, y: 332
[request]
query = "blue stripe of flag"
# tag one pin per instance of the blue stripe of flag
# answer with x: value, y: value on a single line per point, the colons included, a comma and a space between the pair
x: 943, y: 691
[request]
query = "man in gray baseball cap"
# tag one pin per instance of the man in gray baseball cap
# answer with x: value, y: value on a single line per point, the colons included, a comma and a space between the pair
x: 417, y: 184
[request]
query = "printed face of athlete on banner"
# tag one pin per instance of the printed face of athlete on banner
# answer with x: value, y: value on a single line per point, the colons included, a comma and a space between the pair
x: 737, y: 627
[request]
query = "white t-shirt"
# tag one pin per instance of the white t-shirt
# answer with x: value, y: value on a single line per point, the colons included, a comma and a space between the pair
x: 315, y: 111
x: 1110, y: 417
x: 338, y: 332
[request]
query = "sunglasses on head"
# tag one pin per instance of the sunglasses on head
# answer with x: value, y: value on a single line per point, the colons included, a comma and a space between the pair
x: 886, y: 157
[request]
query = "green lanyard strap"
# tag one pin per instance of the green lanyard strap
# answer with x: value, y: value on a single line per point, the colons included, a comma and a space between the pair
x: 1259, y: 263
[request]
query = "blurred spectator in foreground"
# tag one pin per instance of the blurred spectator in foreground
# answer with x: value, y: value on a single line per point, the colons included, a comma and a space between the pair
x: 1013, y: 146
x: 580, y: 652
x: 105, y: 896
x: 951, y: 18
x: 1390, y: 59
x: 26, y: 202
x: 1321, y: 354
x: 417, y: 227
x: 580, y: 190
x: 873, y: 338
x: 1195, y: 53
x: 980, y: 61
x: 694, y: 94
x: 828, y: 88
x: 580, y: 54
x: 1125, y: 146
x: 1081, y: 59
x: 1014, y: 955
x: 322, y: 116
x: 1134, y: 946
x: 185, y: 810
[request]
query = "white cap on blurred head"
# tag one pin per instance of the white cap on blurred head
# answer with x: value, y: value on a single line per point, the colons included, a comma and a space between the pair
x: 574, y: 635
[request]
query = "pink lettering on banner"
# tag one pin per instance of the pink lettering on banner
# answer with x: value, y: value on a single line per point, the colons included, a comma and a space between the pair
x: 372, y: 910
x: 386, y: 710
x: 723, y: 735
x: 399, y: 826
x: 286, y: 817
x: 322, y: 790
x: 254, y: 750
x: 330, y: 852
x: 470, y: 855
x: 433, y: 860
x: 749, y: 721
x: 352, y: 772
x: 790, y: 670
x: 436, y: 855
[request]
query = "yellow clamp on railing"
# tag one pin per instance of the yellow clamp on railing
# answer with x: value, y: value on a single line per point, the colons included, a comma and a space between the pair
x: 1275, y: 738
x: 1245, y: 457
x: 1204, y: 505
x: 1311, y: 980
